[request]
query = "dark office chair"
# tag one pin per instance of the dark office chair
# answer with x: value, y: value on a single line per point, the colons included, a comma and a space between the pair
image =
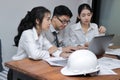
x: 1, y: 67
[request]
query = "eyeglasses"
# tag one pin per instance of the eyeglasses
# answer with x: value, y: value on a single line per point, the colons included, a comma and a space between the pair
x: 63, y: 21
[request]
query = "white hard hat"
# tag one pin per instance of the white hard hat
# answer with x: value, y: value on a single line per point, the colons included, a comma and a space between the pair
x: 81, y: 62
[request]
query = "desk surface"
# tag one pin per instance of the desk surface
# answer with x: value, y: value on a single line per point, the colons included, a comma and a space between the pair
x: 41, y: 70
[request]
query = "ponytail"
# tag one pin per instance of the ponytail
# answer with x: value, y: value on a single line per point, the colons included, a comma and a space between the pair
x: 26, y: 23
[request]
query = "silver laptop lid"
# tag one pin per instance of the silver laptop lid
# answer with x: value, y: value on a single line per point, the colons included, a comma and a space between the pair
x: 99, y: 44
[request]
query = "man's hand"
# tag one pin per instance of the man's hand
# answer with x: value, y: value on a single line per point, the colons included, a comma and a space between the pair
x: 65, y: 55
x: 69, y: 49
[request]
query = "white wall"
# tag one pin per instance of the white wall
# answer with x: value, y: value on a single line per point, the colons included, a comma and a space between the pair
x: 12, y: 11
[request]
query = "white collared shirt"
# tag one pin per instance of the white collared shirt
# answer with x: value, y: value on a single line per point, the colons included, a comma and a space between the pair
x: 79, y: 37
x: 52, y: 29
x: 49, y: 35
x: 32, y: 46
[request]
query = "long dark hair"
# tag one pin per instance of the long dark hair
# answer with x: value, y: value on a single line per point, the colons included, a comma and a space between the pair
x: 29, y: 21
x: 81, y: 7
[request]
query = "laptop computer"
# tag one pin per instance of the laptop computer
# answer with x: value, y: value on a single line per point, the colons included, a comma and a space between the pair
x: 99, y: 44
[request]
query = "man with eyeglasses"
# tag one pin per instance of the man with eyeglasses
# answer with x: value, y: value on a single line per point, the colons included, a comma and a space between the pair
x: 56, y: 34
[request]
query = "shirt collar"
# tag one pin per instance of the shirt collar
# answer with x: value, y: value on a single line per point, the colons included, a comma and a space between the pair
x: 35, y: 33
x: 91, y: 27
x: 80, y: 27
x: 52, y: 29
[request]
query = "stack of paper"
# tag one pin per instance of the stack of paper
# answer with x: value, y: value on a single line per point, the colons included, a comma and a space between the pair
x: 113, y: 51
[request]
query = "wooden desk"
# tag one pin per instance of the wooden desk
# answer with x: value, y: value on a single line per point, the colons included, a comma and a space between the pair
x: 41, y: 70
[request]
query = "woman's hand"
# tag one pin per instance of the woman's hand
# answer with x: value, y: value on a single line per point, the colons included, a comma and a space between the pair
x: 102, y: 30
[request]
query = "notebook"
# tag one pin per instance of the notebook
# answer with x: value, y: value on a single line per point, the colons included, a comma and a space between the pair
x: 99, y: 44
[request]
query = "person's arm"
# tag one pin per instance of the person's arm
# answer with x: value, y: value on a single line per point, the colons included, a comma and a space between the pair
x: 55, y: 51
x: 66, y: 37
x: 73, y: 38
x: 32, y: 49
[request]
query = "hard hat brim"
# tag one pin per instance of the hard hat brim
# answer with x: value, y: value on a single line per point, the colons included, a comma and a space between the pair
x: 67, y: 72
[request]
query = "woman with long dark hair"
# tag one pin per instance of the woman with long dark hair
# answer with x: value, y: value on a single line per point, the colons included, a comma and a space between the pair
x: 83, y: 31
x: 31, y: 41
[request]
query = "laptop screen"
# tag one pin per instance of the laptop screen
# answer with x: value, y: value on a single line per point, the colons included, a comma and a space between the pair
x: 99, y: 44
